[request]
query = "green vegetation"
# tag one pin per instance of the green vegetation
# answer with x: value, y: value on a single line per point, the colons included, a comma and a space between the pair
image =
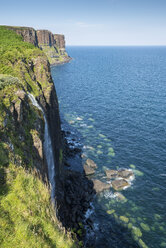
x: 53, y: 54
x: 27, y: 217
x: 17, y: 59
x: 60, y: 156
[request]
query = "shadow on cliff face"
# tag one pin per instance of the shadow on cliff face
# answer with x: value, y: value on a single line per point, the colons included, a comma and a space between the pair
x: 3, y: 185
x: 23, y: 136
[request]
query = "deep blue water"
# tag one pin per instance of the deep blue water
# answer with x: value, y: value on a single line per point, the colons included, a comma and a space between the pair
x: 119, y: 95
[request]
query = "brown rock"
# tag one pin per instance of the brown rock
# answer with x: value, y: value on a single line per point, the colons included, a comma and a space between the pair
x: 126, y: 174
x: 88, y: 170
x: 60, y: 40
x: 21, y: 94
x: 100, y: 186
x: 45, y: 37
x: 28, y: 34
x: 119, y: 184
x: 91, y: 163
x: 111, y: 173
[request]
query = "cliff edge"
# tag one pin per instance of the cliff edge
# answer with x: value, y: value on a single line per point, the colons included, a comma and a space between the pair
x: 53, y: 45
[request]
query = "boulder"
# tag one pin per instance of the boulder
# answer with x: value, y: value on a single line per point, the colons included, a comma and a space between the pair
x: 126, y: 174
x: 91, y: 163
x: 100, y: 186
x: 111, y: 173
x: 88, y: 170
x: 119, y: 184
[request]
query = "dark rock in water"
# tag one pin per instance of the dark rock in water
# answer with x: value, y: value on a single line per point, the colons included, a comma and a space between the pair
x: 125, y: 173
x: 100, y: 186
x: 119, y: 184
x: 88, y: 170
x: 111, y: 173
x: 78, y: 191
x: 66, y: 164
x: 91, y: 163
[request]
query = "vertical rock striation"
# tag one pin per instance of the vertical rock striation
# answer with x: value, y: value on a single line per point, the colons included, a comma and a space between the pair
x: 28, y: 34
x: 53, y: 45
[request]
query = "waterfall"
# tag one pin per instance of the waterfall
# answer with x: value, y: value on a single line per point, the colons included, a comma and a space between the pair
x: 47, y: 148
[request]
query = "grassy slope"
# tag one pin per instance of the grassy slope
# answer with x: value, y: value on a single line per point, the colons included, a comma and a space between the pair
x: 27, y: 218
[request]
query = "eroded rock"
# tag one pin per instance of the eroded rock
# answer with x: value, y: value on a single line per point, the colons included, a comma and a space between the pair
x: 122, y: 173
x: 91, y: 163
x: 119, y: 184
x: 99, y: 186
x: 111, y: 173
x: 88, y: 170
x: 126, y: 174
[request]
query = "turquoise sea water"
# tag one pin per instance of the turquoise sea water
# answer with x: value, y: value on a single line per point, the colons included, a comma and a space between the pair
x: 113, y: 99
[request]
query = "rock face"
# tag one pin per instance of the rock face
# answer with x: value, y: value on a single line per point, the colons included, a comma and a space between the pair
x: 45, y: 37
x: 28, y: 34
x: 26, y: 122
x: 78, y: 192
x: 52, y: 44
x: 60, y: 40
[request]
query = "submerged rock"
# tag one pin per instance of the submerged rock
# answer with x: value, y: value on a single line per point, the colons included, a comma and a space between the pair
x: 124, y: 219
x: 119, y: 184
x: 120, y: 196
x: 99, y: 186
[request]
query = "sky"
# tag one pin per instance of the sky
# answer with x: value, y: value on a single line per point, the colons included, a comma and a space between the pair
x: 92, y: 22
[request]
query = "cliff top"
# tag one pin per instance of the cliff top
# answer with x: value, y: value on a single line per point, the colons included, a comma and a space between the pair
x: 27, y: 216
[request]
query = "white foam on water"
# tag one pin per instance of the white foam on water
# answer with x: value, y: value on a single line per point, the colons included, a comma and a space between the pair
x: 90, y: 211
x: 109, y: 195
x: 47, y: 148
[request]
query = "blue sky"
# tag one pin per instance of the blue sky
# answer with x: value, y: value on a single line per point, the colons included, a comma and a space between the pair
x: 92, y: 22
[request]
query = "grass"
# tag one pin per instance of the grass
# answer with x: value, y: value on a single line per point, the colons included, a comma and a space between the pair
x: 27, y: 217
x: 17, y: 60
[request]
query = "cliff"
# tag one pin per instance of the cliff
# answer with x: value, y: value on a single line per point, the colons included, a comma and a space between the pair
x: 27, y: 216
x: 52, y: 44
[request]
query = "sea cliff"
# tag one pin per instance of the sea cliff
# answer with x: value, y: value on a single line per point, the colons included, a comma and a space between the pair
x: 28, y: 218
x: 53, y: 45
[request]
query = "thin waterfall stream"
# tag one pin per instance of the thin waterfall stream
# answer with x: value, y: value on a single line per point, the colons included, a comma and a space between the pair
x: 47, y: 148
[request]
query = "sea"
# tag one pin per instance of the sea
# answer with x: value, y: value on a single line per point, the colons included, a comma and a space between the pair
x: 113, y: 104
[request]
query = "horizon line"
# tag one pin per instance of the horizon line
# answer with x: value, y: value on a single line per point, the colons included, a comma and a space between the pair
x: 117, y: 45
